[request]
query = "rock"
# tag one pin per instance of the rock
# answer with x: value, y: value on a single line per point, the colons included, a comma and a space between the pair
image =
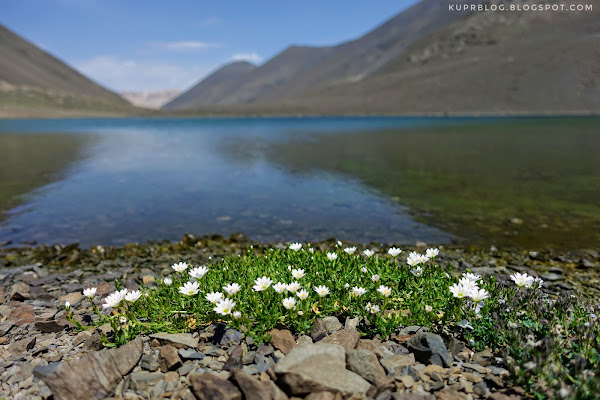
x: 22, y: 315
x: 95, y: 375
x: 396, y: 363
x: 231, y: 337
x: 348, y: 338
x: 50, y: 326
x: 375, y: 346
x: 474, y: 367
x: 282, y: 340
x: 149, y: 363
x: 6, y: 326
x: 73, y: 298
x: 190, y: 354
x: 22, y: 346
x: 429, y: 348
x: 265, y: 349
x: 365, y: 363
x: 235, y: 359
x: 320, y: 396
x: 351, y: 323
x: 454, y: 346
x: 318, y: 330
x: 209, y: 387
x: 253, y: 389
x: 483, y: 357
x: 168, y: 359
x: 177, y: 340
x: 303, y: 339
x: 332, y: 324
x: 42, y: 371
x: 318, y: 367
x: 144, y: 381
x: 451, y: 394
x: 20, y: 291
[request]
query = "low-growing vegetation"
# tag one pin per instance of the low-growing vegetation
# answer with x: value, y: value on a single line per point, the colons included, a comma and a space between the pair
x: 550, y: 345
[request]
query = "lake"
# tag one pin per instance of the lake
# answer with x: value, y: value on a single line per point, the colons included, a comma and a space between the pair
x: 519, y: 182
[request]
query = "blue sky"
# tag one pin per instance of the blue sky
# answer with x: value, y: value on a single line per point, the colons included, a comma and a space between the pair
x: 159, y: 44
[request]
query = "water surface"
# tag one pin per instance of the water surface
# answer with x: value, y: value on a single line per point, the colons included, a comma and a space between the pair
x: 529, y: 182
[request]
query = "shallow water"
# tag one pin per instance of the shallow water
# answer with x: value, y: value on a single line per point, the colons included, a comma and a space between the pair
x: 517, y: 181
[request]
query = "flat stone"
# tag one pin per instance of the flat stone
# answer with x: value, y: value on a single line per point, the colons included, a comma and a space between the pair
x: 168, y: 359
x: 20, y: 291
x: 231, y: 337
x: 235, y: 359
x: 149, y: 362
x: 320, y: 396
x: 429, y: 348
x: 282, y: 340
x: 42, y: 371
x: 94, y: 375
x: 252, y: 388
x: 49, y: 326
x: 348, y: 338
x: 332, y: 324
x: 475, y: 367
x: 319, y: 367
x: 73, y: 298
x: 143, y: 381
x: 22, y: 315
x: 351, y: 323
x: 483, y: 357
x: 303, y: 339
x: 190, y: 354
x: 22, y: 346
x: 178, y: 340
x: 207, y: 386
x: 396, y: 363
x: 365, y: 363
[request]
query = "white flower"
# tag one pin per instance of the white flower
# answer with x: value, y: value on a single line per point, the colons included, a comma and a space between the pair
x: 300, y: 313
x: 179, y: 267
x: 293, y: 287
x: 350, y: 250
x: 232, y: 288
x: 471, y: 277
x: 339, y: 243
x: 372, y: 308
x: 311, y: 250
x: 168, y: 281
x: 261, y: 284
x: 133, y: 296
x: 358, y: 291
x: 198, y: 272
x: 214, y: 297
x: 331, y: 256
x: 347, y: 286
x: 417, y: 271
x: 189, y: 288
x: 111, y: 301
x: 468, y: 285
x: 538, y: 281
x: 459, y: 291
x: 428, y: 309
x: 394, y: 251
x: 322, y: 290
x: 413, y: 258
x: 67, y: 305
x: 298, y: 273
x: 302, y: 294
x: 432, y: 253
x: 375, y: 278
x: 384, y: 290
x: 478, y: 295
x: 465, y: 324
x: 513, y: 325
x: 368, y: 253
x: 123, y: 319
x: 224, y: 306
x: 289, y: 303
x: 90, y: 292
x: 295, y: 246
x: 522, y: 280
x: 280, y: 287
x: 363, y: 270
x: 236, y: 315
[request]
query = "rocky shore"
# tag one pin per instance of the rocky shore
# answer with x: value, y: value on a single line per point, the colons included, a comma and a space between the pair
x: 43, y: 356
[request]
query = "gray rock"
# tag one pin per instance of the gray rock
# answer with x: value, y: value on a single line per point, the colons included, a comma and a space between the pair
x: 332, y: 324
x: 42, y: 371
x: 319, y: 330
x: 231, y: 338
x: 144, y: 381
x: 169, y: 359
x: 235, y: 359
x: 303, y: 339
x: 22, y: 346
x: 252, y: 388
x: 149, y: 362
x: 95, y: 375
x: 248, y: 357
x: 348, y: 338
x: 186, y: 368
x: 178, y: 340
x: 189, y: 354
x: 396, y: 363
x: 319, y: 367
x: 365, y: 363
x: 351, y: 323
x: 429, y: 348
x: 208, y: 387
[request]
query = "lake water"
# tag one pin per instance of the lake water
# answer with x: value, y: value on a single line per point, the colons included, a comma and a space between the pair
x: 528, y: 182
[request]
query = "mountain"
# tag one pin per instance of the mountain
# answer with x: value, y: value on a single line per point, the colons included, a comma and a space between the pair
x: 30, y: 78
x: 154, y: 99
x: 212, y: 88
x: 299, y: 69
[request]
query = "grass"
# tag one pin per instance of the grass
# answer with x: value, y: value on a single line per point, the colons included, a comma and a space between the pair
x: 550, y: 345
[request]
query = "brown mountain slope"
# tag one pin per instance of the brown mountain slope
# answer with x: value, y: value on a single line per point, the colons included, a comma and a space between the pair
x: 30, y: 77
x: 490, y: 62
x: 212, y: 89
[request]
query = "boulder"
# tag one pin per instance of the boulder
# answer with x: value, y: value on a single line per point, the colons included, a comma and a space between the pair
x: 429, y: 348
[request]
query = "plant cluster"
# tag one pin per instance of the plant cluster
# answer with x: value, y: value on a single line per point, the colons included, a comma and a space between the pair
x: 550, y: 346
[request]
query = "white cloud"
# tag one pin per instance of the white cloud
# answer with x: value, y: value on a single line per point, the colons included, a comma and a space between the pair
x: 251, y: 57
x: 130, y: 75
x: 186, y: 45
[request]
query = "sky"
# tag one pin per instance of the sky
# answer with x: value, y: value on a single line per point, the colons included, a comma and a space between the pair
x: 142, y: 45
